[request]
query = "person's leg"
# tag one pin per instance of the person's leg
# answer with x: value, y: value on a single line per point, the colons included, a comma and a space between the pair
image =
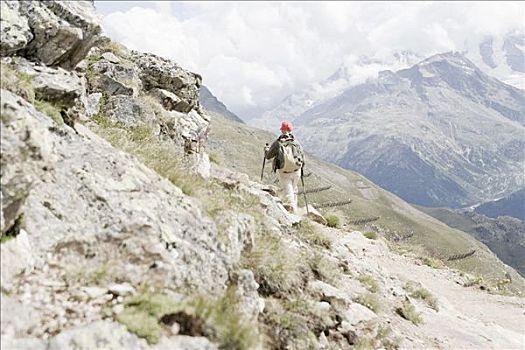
x: 296, y: 177
x: 287, y: 187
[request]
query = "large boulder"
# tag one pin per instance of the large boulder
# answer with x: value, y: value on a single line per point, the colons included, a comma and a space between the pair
x: 25, y: 153
x: 94, y: 195
x: 113, y: 78
x: 161, y: 73
x: 15, y: 33
x: 56, y: 33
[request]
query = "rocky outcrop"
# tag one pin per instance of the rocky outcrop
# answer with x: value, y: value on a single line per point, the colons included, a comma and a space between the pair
x: 158, y: 72
x: 56, y: 33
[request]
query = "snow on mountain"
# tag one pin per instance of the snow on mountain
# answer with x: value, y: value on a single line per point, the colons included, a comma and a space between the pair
x: 441, y: 133
x: 353, y: 71
x: 503, y: 58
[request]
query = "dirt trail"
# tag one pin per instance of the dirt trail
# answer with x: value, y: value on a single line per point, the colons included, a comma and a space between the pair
x: 468, y: 318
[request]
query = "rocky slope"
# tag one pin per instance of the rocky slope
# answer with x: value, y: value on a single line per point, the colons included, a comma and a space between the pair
x: 441, y: 133
x: 118, y: 232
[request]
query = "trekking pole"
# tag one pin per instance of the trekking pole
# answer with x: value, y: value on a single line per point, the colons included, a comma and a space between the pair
x: 264, y: 160
x: 304, y: 193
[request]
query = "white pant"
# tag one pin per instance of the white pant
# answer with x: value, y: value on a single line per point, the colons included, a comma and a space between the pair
x: 289, y: 184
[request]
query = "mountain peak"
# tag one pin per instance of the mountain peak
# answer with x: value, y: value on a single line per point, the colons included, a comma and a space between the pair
x: 451, y: 58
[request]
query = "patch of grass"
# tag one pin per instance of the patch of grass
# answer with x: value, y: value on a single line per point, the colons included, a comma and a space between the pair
x: 324, y: 269
x: 215, y: 158
x: 369, y: 300
x: 148, y: 314
x: 473, y: 281
x: 369, y: 282
x: 277, y: 269
x: 113, y: 47
x: 308, y: 233
x: 91, y: 59
x: 370, y: 235
x: 19, y: 83
x: 14, y: 230
x: 50, y: 110
x: 433, y: 262
x: 290, y: 324
x: 408, y: 312
x: 90, y: 274
x: 333, y: 221
x: 383, y: 340
x: 423, y: 294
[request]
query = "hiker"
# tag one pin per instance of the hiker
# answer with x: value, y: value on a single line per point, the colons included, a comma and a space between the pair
x: 288, y: 161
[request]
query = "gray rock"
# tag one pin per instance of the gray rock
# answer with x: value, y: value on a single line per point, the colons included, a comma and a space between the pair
x: 10, y: 343
x: 240, y: 230
x: 25, y: 153
x: 129, y: 111
x: 94, y: 292
x: 246, y: 292
x: 17, y: 257
x: 170, y: 101
x: 121, y: 289
x: 63, y: 31
x: 328, y: 292
x: 98, y: 199
x: 56, y: 86
x: 114, y: 79
x: 161, y: 73
x: 15, y: 33
x: 356, y: 313
x: 184, y: 342
x: 92, y: 104
x: 16, y: 317
x: 109, y: 56
x: 101, y: 334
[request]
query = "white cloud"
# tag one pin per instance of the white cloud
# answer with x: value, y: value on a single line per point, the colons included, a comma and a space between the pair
x: 252, y: 54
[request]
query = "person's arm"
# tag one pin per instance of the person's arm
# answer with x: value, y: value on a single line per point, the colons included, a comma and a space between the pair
x: 273, y: 151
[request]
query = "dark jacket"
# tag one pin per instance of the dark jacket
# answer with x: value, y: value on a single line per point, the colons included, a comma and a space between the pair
x: 273, y: 152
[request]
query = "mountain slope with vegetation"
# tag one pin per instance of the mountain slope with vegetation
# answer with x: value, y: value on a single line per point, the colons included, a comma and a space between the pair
x: 505, y: 235
x: 117, y: 230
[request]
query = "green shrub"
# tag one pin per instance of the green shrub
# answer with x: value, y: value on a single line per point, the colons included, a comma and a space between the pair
x: 308, y: 233
x: 370, y: 235
x: 276, y: 267
x: 19, y: 83
x: 423, y: 294
x: 50, y: 110
x: 369, y: 300
x: 324, y: 268
x: 433, y: 262
x: 333, y: 221
x: 219, y: 319
x: 369, y: 282
x: 408, y: 312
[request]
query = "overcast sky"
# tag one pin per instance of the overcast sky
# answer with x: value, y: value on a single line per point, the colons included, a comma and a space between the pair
x: 253, y: 54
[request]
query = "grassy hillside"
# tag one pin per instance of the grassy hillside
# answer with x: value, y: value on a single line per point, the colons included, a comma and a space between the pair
x: 240, y: 147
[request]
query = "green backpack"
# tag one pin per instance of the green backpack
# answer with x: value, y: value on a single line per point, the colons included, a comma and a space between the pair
x: 291, y: 157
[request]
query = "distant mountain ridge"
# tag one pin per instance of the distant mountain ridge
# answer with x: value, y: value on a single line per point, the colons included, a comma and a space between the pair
x: 512, y: 205
x: 348, y: 74
x: 213, y: 104
x: 504, y: 235
x: 441, y: 133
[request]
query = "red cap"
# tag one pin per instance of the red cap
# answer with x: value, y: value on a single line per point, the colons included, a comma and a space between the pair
x: 286, y: 126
